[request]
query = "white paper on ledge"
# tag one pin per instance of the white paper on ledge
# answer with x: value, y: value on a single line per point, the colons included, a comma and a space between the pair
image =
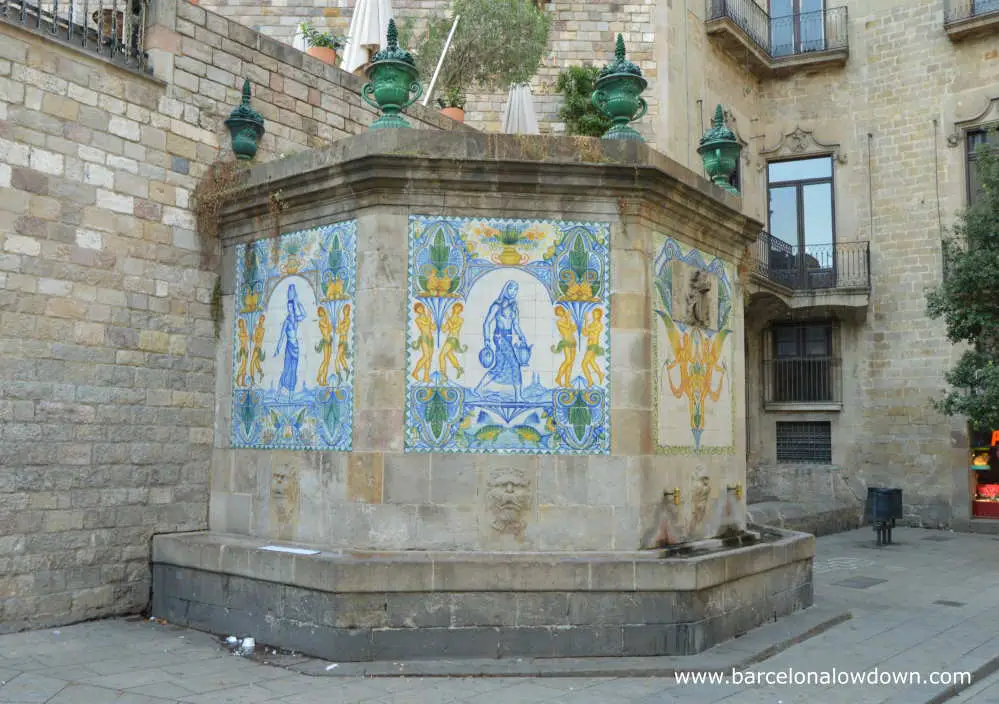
x: 293, y: 551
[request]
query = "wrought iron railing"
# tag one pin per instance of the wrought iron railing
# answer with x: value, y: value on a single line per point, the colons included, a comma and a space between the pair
x: 114, y: 29
x: 813, y: 267
x: 750, y: 17
x: 801, y: 380
x: 788, y: 35
x: 958, y: 10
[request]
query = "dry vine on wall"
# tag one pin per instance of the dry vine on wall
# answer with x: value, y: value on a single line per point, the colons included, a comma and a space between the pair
x: 209, y: 197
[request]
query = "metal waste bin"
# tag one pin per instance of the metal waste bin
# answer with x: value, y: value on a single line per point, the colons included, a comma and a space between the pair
x: 883, y: 508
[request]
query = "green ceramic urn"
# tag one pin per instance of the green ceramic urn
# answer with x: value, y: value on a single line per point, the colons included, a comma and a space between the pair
x: 393, y: 82
x: 618, y: 95
x: 720, y: 151
x: 246, y: 127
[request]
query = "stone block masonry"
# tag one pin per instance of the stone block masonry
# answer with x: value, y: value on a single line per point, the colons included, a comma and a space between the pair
x: 107, y: 320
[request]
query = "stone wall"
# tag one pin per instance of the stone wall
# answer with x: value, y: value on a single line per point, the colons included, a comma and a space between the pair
x: 107, y: 304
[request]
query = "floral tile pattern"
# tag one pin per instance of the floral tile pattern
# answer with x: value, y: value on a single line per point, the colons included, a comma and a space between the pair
x: 293, y: 361
x: 694, y: 351
x: 508, y: 346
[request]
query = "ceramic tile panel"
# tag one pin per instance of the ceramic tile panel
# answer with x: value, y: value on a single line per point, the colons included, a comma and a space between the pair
x: 694, y: 350
x: 293, y: 368
x: 508, y: 349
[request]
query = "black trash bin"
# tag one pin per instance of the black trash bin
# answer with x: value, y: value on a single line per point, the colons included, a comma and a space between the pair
x: 883, y: 508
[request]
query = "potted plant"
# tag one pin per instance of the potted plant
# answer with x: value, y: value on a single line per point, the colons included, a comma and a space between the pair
x: 452, y: 103
x: 494, y: 45
x: 322, y: 45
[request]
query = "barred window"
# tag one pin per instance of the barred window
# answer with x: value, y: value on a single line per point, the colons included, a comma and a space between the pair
x: 800, y: 366
x: 806, y: 442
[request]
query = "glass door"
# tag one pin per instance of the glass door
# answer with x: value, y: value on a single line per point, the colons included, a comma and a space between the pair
x: 782, y: 27
x: 798, y: 26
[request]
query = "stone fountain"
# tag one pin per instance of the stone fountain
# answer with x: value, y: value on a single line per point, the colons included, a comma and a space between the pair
x: 481, y: 395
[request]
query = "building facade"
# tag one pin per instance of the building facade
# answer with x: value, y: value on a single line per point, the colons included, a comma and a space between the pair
x: 859, y: 121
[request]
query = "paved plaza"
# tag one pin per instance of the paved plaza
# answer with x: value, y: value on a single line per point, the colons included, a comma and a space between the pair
x: 925, y: 605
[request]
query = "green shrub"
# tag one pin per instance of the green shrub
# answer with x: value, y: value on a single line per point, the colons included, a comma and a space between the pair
x: 577, y: 112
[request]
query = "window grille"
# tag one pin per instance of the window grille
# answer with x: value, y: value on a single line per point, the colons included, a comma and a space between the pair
x: 809, y: 442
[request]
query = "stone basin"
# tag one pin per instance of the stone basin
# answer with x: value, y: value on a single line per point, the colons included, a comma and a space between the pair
x: 350, y: 606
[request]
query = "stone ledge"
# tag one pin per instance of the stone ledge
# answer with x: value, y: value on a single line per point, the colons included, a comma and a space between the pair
x: 423, y: 571
x: 815, y: 518
x: 640, y: 181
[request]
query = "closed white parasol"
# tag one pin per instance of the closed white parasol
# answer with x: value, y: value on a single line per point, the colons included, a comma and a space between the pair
x: 299, y: 41
x: 518, y: 113
x: 367, y: 32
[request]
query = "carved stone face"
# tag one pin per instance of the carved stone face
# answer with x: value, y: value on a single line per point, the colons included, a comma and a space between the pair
x: 279, y: 485
x: 508, y: 498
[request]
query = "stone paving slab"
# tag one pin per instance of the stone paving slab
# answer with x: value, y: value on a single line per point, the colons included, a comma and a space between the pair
x: 897, y: 626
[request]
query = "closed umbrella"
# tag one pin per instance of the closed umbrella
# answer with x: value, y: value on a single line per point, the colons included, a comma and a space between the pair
x: 299, y: 41
x: 518, y: 113
x: 367, y: 32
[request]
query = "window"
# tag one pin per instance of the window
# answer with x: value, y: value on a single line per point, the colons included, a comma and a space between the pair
x: 802, y: 368
x: 797, y: 26
x: 804, y: 442
x: 975, y: 139
x: 984, y: 7
x: 800, y: 192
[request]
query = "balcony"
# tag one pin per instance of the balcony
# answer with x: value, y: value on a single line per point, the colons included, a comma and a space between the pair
x: 112, y: 30
x: 969, y: 18
x: 831, y: 275
x: 775, y: 46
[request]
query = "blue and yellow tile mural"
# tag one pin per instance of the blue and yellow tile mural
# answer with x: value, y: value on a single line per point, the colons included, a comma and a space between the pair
x: 293, y: 361
x: 509, y: 336
x: 694, y: 351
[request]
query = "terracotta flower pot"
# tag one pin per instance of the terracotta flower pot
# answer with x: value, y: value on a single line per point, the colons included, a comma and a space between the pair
x: 323, y: 54
x: 456, y: 114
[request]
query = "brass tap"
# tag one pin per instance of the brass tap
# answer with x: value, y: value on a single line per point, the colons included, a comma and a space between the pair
x: 737, y: 488
x: 675, y: 493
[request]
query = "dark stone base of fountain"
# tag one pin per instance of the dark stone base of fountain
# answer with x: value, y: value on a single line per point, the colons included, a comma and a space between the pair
x: 353, y: 606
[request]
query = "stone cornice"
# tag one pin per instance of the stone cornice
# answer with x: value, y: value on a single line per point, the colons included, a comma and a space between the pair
x: 366, y: 170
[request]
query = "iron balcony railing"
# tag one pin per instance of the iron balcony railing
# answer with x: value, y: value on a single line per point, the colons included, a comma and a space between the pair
x: 813, y: 267
x: 114, y: 29
x: 959, y: 10
x: 787, y: 35
x: 801, y: 380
